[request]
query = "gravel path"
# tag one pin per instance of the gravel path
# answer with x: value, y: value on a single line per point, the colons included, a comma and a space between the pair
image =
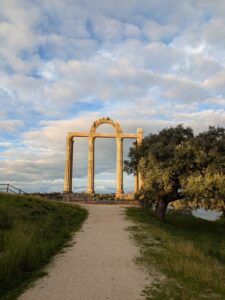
x: 98, y: 266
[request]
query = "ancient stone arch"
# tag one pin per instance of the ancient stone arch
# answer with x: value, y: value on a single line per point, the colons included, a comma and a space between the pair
x: 109, y: 121
x: 91, y: 135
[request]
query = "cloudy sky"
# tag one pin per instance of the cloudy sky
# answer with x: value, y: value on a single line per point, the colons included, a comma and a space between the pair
x: 63, y: 64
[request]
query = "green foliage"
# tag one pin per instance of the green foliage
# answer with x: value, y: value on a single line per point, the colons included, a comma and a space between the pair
x: 190, y: 252
x: 203, y: 160
x: 159, y: 146
x: 207, y: 190
x: 175, y: 165
x: 32, y: 230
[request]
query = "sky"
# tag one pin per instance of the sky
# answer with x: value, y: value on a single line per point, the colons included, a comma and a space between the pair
x: 63, y: 64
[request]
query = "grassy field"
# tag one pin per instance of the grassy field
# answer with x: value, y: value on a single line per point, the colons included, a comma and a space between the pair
x: 32, y: 230
x: 186, y: 255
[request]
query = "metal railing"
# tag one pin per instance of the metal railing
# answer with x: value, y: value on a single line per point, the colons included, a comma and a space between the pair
x: 8, y: 188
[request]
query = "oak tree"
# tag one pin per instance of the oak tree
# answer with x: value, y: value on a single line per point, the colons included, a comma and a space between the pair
x: 176, y: 165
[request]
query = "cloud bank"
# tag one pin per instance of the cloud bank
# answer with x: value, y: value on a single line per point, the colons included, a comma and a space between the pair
x: 63, y: 64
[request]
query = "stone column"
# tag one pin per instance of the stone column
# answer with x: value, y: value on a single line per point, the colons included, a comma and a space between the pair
x: 140, y: 133
x: 68, y: 166
x: 135, y: 184
x: 119, y: 166
x: 90, y: 184
x: 136, y: 179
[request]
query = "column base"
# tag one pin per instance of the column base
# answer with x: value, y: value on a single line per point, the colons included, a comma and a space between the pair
x: 119, y: 195
x: 79, y: 197
x: 92, y: 193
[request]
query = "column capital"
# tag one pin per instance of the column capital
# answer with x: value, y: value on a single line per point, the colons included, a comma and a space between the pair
x: 69, y: 138
x: 140, y: 131
x: 91, y: 137
x: 119, y: 138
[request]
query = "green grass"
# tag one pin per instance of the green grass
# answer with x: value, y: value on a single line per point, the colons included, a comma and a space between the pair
x: 32, y: 230
x: 190, y: 252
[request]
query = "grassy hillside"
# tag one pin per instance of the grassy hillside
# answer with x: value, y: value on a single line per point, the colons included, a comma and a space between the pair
x: 32, y: 230
x: 187, y: 251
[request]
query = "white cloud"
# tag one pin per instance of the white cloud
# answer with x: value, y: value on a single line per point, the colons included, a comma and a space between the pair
x: 217, y: 83
x: 157, y: 32
x: 63, y: 64
x: 10, y: 125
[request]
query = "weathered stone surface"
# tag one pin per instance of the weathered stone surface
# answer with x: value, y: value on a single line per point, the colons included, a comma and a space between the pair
x: 88, y: 197
x: 92, y: 134
x: 125, y: 198
x: 90, y: 187
x: 68, y: 165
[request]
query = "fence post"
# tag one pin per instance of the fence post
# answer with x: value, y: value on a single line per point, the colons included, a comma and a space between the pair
x: 7, y: 189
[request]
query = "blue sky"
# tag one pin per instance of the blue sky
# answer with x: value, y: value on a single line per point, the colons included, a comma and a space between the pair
x: 63, y: 64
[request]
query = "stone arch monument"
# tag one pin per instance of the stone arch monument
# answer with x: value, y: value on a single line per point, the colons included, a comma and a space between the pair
x: 91, y: 135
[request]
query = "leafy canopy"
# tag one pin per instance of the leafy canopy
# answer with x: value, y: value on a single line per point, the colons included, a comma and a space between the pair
x: 175, y: 164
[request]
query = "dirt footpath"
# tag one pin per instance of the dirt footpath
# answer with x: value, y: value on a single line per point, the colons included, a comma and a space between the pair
x: 98, y: 266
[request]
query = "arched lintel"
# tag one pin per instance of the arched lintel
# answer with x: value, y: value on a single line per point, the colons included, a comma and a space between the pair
x: 106, y: 120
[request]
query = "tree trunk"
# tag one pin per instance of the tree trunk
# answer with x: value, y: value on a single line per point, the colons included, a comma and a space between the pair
x: 160, y: 209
